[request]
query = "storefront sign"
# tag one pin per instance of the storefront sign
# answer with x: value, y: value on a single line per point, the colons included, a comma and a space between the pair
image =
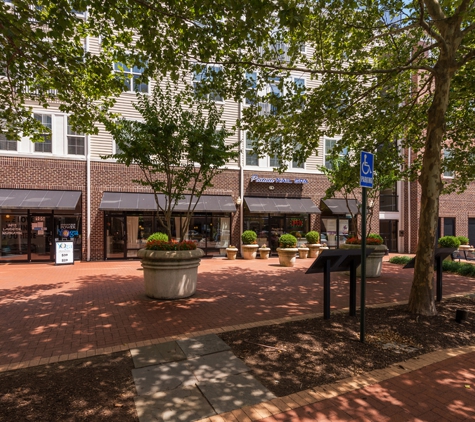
x: 255, y: 178
x: 68, y: 230
x: 64, y: 253
x: 11, y: 228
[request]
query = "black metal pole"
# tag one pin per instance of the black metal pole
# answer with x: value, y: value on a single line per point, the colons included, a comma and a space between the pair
x: 363, y: 267
x: 353, y: 288
x: 438, y: 266
x: 326, y: 290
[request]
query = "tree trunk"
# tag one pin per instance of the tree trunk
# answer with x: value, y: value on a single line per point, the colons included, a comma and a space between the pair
x: 421, y: 299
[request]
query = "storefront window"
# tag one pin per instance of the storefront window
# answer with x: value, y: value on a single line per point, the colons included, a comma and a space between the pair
x: 335, y: 231
x: 69, y: 228
x: 14, y: 237
x: 211, y: 232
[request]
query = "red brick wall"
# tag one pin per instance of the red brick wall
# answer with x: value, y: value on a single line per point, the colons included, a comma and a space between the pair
x: 48, y: 174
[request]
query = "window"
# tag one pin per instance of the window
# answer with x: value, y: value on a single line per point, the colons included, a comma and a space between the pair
x: 329, y: 144
x: 207, y: 74
x: 295, y: 163
x: 76, y: 142
x: 449, y: 226
x: 274, y: 160
x: 46, y: 145
x: 447, y: 155
x: 251, y: 158
x: 299, y: 88
x: 6, y: 144
x: 132, y: 77
x: 252, y: 81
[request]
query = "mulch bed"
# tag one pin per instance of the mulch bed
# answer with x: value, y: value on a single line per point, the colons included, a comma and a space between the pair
x: 286, y: 358
x: 295, y: 356
x: 99, y: 388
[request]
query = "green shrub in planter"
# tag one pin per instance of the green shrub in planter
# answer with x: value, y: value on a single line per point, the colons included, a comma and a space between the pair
x: 287, y: 241
x: 463, y: 240
x: 312, y: 237
x: 249, y: 237
x: 449, y: 242
x: 162, y: 237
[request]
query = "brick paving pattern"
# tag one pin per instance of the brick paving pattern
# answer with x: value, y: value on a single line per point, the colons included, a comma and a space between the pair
x: 48, y: 311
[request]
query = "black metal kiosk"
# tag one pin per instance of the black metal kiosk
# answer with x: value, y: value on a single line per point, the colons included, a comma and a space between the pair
x: 440, y: 255
x: 337, y: 260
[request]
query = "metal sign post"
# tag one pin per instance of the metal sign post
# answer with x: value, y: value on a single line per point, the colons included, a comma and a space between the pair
x: 366, y: 181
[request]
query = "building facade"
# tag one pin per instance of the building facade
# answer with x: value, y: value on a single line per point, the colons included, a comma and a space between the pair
x: 62, y: 189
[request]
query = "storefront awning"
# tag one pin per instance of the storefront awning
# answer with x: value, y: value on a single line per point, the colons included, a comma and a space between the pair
x: 126, y: 201
x: 282, y: 205
x: 19, y: 199
x: 339, y: 206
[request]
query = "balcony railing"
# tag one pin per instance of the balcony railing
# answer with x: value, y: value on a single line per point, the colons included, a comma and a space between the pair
x: 388, y: 202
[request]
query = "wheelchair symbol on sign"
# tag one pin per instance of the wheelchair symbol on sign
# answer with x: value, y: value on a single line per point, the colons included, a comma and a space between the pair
x: 365, y: 167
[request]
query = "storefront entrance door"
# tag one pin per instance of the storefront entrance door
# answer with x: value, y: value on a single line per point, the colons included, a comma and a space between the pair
x: 276, y: 229
x: 42, y: 238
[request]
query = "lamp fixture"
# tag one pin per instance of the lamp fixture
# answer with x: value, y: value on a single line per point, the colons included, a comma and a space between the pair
x: 238, y: 200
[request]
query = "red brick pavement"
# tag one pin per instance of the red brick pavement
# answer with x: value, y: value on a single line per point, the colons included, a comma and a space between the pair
x: 48, y: 310
x: 443, y: 391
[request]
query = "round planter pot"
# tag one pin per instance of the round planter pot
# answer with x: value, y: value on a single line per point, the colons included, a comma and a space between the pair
x: 464, y: 247
x: 264, y: 253
x: 231, y: 253
x: 170, y: 274
x: 303, y: 252
x: 249, y: 251
x: 314, y: 249
x: 374, y: 262
x: 287, y: 256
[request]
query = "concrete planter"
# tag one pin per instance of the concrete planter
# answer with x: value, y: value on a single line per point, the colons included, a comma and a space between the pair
x: 231, y: 253
x: 303, y: 252
x: 264, y: 253
x: 374, y: 262
x: 249, y: 251
x: 314, y: 249
x: 287, y: 256
x: 170, y: 274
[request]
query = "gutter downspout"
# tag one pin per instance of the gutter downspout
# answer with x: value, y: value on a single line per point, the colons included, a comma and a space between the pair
x: 88, y: 186
x: 241, y: 175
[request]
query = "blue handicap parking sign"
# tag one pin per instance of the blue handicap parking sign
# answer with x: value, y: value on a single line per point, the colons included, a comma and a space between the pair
x: 366, y: 169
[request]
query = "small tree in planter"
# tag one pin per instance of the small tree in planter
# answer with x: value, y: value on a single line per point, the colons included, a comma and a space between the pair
x: 313, y: 239
x: 180, y: 146
x: 288, y: 250
x: 249, y: 244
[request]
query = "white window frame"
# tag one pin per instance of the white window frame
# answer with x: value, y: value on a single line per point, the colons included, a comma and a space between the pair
x: 447, y: 174
x: 328, y: 150
x: 198, y: 77
x: 248, y: 150
x: 45, y: 134
x: 130, y: 74
x: 8, y: 142
x: 70, y: 133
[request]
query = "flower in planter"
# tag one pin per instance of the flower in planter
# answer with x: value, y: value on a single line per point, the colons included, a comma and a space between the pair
x: 264, y: 246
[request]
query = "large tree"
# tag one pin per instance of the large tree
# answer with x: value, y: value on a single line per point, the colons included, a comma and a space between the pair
x: 388, y: 72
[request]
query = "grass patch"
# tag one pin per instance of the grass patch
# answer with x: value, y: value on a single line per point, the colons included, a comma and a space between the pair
x: 402, y: 260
